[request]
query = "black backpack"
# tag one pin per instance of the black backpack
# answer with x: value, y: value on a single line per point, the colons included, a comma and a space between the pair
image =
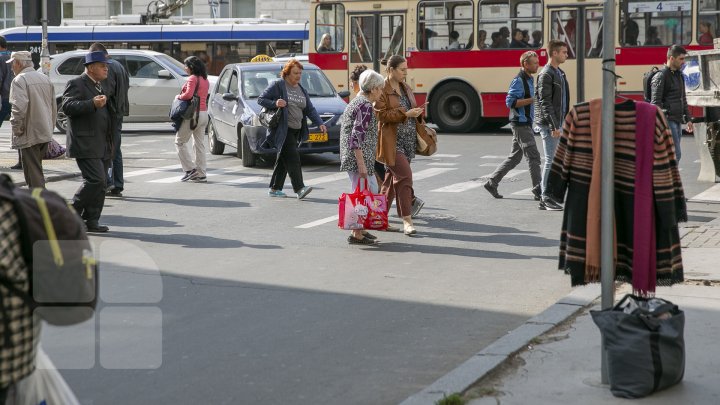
x: 647, y: 82
x: 62, y: 270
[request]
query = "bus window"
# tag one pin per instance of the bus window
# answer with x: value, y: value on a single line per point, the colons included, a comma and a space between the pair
x: 651, y: 24
x: 444, y: 25
x: 391, y: 35
x: 509, y: 24
x: 330, y: 28
x: 708, y: 21
x: 361, y: 39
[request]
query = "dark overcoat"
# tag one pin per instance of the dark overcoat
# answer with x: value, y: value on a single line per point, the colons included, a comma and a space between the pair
x: 275, y: 91
x: 88, y: 130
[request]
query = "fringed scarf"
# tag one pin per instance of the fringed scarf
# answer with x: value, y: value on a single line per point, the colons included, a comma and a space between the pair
x: 644, y: 242
x: 592, y: 252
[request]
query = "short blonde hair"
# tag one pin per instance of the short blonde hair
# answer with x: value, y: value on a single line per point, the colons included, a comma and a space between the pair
x: 526, y: 57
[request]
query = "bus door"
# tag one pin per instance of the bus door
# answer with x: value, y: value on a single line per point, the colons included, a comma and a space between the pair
x: 585, y: 48
x: 374, y: 37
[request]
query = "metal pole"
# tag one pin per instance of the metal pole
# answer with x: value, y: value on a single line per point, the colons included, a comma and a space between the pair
x: 44, y: 53
x: 580, y: 52
x: 607, y: 270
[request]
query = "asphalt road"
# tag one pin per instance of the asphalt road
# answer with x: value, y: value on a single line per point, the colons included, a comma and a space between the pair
x: 215, y: 293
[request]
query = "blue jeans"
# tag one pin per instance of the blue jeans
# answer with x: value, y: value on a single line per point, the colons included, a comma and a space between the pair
x: 550, y: 145
x: 676, y: 129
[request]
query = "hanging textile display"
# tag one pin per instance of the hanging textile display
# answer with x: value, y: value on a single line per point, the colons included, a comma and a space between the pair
x: 649, y: 198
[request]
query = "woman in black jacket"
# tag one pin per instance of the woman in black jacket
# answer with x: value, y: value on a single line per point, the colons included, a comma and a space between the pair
x: 293, y: 102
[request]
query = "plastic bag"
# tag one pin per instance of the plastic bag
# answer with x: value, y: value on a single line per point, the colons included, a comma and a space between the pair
x: 45, y: 386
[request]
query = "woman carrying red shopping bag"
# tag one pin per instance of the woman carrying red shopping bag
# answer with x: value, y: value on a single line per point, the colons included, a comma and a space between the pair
x: 358, y: 142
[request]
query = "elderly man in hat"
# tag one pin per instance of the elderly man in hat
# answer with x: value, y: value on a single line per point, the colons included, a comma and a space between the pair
x: 33, y: 115
x: 89, y: 137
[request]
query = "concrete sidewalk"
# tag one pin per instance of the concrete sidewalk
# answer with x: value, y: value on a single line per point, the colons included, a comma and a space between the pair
x: 554, y: 358
x: 55, y: 169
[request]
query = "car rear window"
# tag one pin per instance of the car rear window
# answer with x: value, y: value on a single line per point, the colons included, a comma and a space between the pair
x: 72, y: 66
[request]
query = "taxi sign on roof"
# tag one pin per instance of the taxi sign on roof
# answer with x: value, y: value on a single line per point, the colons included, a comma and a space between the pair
x: 261, y: 58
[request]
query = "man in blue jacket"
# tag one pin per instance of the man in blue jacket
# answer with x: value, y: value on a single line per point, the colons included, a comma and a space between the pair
x: 520, y: 102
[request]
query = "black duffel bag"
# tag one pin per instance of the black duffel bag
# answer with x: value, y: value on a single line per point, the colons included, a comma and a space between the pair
x: 644, y: 343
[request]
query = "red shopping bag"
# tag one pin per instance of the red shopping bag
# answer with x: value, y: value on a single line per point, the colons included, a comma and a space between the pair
x: 377, y: 216
x: 351, y: 210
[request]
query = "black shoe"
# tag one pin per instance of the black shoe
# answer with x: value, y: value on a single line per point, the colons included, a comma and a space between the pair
x: 17, y: 166
x: 417, y: 205
x: 492, y: 189
x: 188, y: 174
x: 96, y: 228
x: 549, y: 204
x: 536, y: 193
x: 364, y: 241
x: 114, y: 193
x: 370, y: 236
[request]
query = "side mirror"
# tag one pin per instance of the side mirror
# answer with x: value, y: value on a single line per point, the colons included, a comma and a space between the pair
x: 164, y: 74
x: 229, y: 97
x: 344, y: 94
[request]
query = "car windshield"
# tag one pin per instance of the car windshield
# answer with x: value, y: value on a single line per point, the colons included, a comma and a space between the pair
x: 173, y: 64
x: 314, y: 81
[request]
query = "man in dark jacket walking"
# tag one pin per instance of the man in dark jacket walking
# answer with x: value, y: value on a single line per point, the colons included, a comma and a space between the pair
x: 668, y: 93
x: 552, y: 103
x: 89, y: 137
x: 520, y: 102
x: 116, y: 88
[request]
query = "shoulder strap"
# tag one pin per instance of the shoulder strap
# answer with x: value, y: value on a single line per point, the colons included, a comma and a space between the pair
x: 526, y: 89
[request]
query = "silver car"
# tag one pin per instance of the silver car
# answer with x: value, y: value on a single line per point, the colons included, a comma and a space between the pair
x: 155, y: 79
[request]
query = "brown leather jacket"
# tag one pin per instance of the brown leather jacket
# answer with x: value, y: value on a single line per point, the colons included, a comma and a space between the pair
x: 389, y: 114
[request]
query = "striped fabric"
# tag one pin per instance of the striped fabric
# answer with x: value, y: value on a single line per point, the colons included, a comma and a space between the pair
x: 571, y: 173
x: 17, y: 356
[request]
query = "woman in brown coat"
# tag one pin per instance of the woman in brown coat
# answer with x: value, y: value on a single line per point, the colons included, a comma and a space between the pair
x: 397, y: 114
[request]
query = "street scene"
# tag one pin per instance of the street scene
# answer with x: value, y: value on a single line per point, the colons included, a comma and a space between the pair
x: 260, y: 299
x: 411, y: 202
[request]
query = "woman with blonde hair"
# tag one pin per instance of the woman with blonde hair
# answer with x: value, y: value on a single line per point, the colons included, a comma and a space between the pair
x: 291, y: 100
x: 325, y: 44
x: 398, y: 115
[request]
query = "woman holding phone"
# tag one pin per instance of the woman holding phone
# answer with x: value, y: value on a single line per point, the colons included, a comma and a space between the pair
x: 398, y: 115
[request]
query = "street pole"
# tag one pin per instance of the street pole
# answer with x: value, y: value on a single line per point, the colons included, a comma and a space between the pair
x: 607, y: 270
x: 44, y: 52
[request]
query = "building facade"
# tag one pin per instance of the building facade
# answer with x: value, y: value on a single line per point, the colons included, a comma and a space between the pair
x: 299, y: 10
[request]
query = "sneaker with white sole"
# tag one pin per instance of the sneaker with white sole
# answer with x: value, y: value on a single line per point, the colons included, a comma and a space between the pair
x: 417, y: 205
x: 276, y: 193
x: 188, y: 174
x: 304, y: 192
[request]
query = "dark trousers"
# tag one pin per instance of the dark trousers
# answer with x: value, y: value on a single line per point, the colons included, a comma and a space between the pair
x: 288, y: 162
x: 523, y: 143
x: 5, y: 110
x: 115, y: 175
x: 3, y: 395
x: 32, y: 164
x: 89, y: 199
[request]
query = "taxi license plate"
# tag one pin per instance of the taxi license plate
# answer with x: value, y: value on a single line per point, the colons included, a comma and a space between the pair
x: 318, y: 137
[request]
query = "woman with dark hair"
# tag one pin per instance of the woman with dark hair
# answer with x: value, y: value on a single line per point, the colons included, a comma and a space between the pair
x: 195, y: 167
x: 291, y: 129
x: 398, y: 116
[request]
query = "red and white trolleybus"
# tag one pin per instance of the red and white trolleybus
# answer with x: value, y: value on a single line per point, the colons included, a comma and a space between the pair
x: 462, y: 54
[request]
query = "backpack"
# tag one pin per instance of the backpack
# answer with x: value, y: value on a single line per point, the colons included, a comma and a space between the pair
x: 647, y: 82
x: 62, y: 270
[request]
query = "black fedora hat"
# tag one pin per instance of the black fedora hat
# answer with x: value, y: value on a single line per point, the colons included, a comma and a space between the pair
x: 97, y: 56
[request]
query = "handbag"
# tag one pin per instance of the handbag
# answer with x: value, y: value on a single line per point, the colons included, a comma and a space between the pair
x: 193, y: 105
x: 270, y: 118
x: 426, y: 140
x: 645, y: 346
x: 54, y: 150
x: 362, y: 209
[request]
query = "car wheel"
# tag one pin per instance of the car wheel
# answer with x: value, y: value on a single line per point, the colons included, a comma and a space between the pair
x: 246, y: 154
x: 61, y: 121
x: 455, y: 107
x: 216, y: 147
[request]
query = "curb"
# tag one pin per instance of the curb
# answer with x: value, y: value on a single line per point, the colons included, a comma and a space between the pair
x: 50, y: 179
x: 488, y: 359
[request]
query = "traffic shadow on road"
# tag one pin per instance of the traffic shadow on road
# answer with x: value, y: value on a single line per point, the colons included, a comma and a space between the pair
x: 510, y: 240
x: 190, y: 202
x: 400, y: 247
x: 138, y: 222
x: 186, y: 240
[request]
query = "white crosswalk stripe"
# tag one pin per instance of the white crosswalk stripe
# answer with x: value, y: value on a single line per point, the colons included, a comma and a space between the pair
x: 151, y: 170
x: 326, y: 179
x: 210, y: 173
x: 318, y: 222
x: 424, y: 174
x: 711, y: 194
x: 469, y: 185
